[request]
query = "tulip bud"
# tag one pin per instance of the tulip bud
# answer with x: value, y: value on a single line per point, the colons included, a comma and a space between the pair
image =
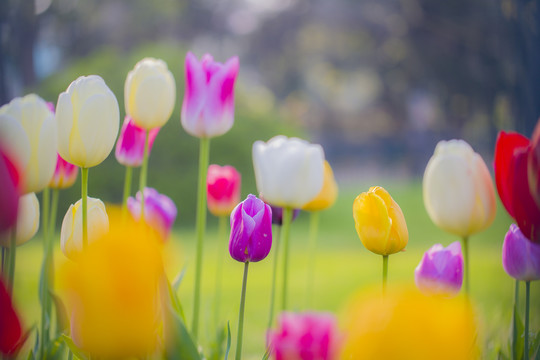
x: 289, y: 171
x: 65, y: 174
x: 28, y: 137
x: 159, y: 210
x: 149, y: 93
x: 379, y: 222
x: 71, y: 233
x: 458, y: 192
x: 305, y: 336
x: 27, y: 221
x: 277, y: 214
x: 88, y: 119
x: 520, y: 257
x: 130, y: 144
x: 9, y: 193
x: 223, y: 188
x: 441, y: 270
x: 328, y: 194
x: 208, y: 106
x: 251, y: 230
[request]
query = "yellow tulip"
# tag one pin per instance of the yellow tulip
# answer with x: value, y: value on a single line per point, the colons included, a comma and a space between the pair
x: 379, y: 222
x: 328, y: 194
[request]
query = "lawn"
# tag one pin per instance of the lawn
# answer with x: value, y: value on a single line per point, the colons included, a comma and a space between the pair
x: 343, y: 267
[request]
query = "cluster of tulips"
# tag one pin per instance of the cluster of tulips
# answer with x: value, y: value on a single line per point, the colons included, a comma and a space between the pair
x: 116, y: 300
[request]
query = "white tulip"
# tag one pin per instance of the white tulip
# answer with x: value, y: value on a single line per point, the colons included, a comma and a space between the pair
x: 88, y: 120
x: 27, y: 221
x: 289, y: 171
x: 71, y: 233
x: 28, y: 136
x: 150, y: 93
x: 458, y: 191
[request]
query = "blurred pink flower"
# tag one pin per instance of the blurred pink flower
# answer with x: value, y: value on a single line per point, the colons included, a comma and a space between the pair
x: 159, y: 210
x: 9, y: 193
x: 130, y: 144
x: 223, y: 186
x: 64, y: 175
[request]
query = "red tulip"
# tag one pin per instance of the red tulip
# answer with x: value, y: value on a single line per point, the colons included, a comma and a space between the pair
x: 9, y: 193
x: 10, y: 325
x: 533, y: 164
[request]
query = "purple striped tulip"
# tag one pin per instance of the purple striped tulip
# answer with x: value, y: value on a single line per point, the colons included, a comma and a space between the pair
x: 159, y: 210
x: 130, y: 145
x: 441, y: 270
x: 251, y: 230
x: 520, y: 256
x: 208, y: 107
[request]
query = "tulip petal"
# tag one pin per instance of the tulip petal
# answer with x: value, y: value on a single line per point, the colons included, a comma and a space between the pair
x: 154, y: 102
x: 261, y: 240
x: 533, y: 165
x: 15, y: 142
x: 373, y: 224
x: 239, y: 239
x: 194, y: 96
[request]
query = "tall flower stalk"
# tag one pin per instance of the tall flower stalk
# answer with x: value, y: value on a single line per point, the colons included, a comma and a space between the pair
x: 287, y: 219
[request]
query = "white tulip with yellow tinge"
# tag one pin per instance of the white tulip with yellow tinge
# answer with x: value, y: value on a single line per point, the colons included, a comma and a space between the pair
x: 71, y: 233
x: 27, y: 221
x: 328, y: 194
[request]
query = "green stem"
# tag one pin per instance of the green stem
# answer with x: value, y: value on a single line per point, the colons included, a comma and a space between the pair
x: 313, y: 230
x: 84, y: 196
x: 384, y: 272
x: 204, y: 154
x: 54, y: 212
x: 287, y: 218
x: 144, y: 171
x: 465, y: 243
x: 127, y: 187
x: 527, y: 299
x: 50, y: 262
x: 222, y: 234
x: 514, y: 322
x: 44, y: 277
x: 241, y: 314
x: 274, y: 276
x: 11, y: 261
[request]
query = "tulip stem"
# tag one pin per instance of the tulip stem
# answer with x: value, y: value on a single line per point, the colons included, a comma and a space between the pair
x: 313, y: 230
x: 127, y: 188
x: 144, y: 171
x: 204, y: 154
x: 514, y: 322
x: 241, y: 314
x: 384, y: 272
x: 222, y: 234
x: 274, y: 276
x: 44, y: 276
x: 527, y: 299
x: 84, y: 193
x: 287, y: 218
x: 52, y: 229
x: 465, y: 242
x: 11, y: 261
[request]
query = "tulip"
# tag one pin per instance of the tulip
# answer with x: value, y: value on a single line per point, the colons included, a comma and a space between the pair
x: 511, y: 164
x: 64, y: 175
x: 27, y: 221
x: 441, y: 270
x: 9, y: 193
x: 71, y: 233
x: 533, y: 165
x: 458, y: 192
x: 305, y: 336
x: 208, y: 106
x: 277, y: 214
x: 328, y: 194
x: 28, y: 137
x: 521, y: 257
x: 159, y: 211
x: 130, y: 145
x: 289, y: 171
x: 11, y: 335
x: 88, y: 119
x: 223, y: 187
x: 150, y: 93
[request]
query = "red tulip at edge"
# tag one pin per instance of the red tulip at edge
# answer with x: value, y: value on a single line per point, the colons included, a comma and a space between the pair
x: 511, y: 176
x: 533, y: 164
x: 9, y: 193
x: 10, y: 325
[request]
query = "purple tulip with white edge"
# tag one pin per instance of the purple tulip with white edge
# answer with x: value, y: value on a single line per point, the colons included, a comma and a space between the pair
x: 520, y: 256
x: 441, y: 270
x: 208, y: 106
x: 251, y: 230
x: 159, y: 210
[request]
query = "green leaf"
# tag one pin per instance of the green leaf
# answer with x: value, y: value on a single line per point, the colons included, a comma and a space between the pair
x: 175, y: 302
x: 62, y: 320
x: 266, y: 354
x: 228, y: 341
x: 74, y: 349
x: 217, y: 345
x: 30, y: 355
x: 178, y: 279
x: 55, y: 349
x: 178, y: 342
x: 519, y: 328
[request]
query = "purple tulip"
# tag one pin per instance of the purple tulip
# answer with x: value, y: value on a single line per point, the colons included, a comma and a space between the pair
x: 208, y: 107
x: 520, y: 256
x: 441, y: 270
x: 159, y: 210
x: 130, y: 145
x: 251, y: 230
x: 277, y: 214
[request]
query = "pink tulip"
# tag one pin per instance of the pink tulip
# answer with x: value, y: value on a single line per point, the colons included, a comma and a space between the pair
x: 64, y: 175
x: 9, y: 193
x: 159, y: 210
x: 307, y: 336
x: 223, y: 187
x: 208, y: 107
x: 130, y: 145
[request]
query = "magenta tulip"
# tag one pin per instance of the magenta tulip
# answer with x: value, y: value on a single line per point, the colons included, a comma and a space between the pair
x: 520, y: 257
x: 441, y: 270
x: 9, y: 193
x: 306, y: 336
x: 251, y: 230
x: 208, y: 107
x: 223, y: 187
x: 64, y: 175
x: 130, y: 145
x: 159, y: 210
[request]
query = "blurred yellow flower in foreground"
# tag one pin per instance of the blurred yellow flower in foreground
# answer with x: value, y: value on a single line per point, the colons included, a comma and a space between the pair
x: 407, y: 325
x: 328, y: 194
x: 113, y: 294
